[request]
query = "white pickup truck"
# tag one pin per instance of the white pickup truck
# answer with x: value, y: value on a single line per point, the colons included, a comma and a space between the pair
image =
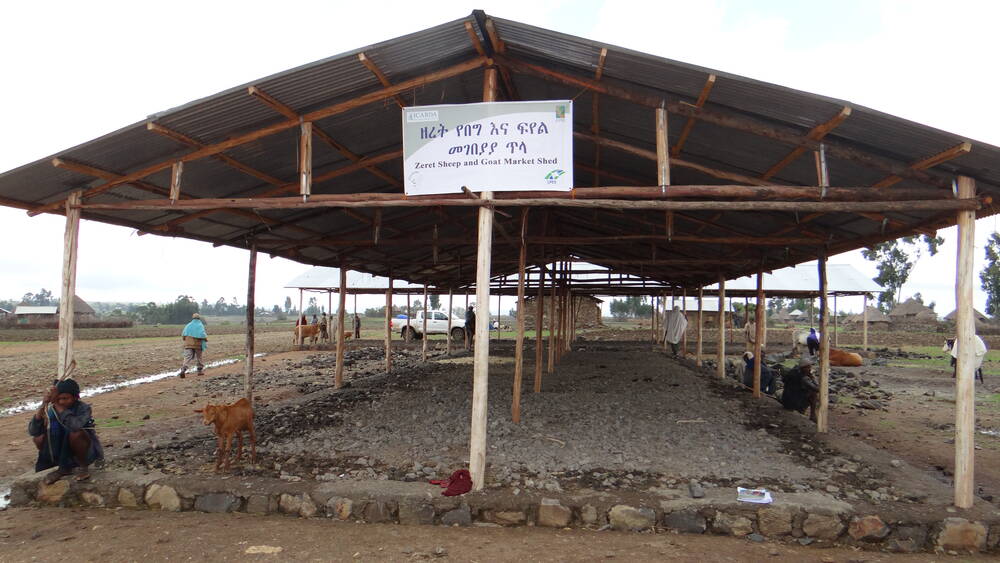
x: 437, y: 323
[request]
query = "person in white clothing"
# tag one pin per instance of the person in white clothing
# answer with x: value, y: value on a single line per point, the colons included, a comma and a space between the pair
x: 674, y: 325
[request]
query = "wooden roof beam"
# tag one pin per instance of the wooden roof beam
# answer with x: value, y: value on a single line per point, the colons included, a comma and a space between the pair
x: 474, y: 38
x: 595, y: 117
x: 815, y: 134
x: 689, y: 124
x: 290, y: 113
x: 500, y: 47
x: 382, y: 78
x: 251, y: 136
x: 782, y: 133
x: 929, y: 162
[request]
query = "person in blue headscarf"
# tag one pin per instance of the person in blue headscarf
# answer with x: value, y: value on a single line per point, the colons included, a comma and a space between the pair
x: 195, y: 342
x: 63, y: 431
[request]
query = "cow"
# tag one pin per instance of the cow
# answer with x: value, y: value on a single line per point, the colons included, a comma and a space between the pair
x: 229, y: 420
x: 949, y: 346
x: 767, y: 376
x: 801, y: 390
x: 841, y: 358
x: 305, y: 331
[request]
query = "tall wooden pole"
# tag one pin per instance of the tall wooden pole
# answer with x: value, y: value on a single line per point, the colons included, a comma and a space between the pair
x: 684, y: 307
x: 758, y: 334
x: 450, y: 313
x: 539, y: 319
x: 822, y: 417
x: 251, y: 292
x: 965, y: 383
x: 653, y: 317
x: 65, y: 361
x: 480, y: 377
x: 302, y: 313
x: 423, y: 347
x: 864, y: 324
x: 552, y: 322
x: 701, y: 323
x: 388, y: 328
x: 521, y: 313
x: 720, y: 354
x: 836, y: 335
x: 338, y: 377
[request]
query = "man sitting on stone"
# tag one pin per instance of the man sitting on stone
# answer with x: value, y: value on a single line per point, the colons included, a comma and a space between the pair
x: 63, y: 431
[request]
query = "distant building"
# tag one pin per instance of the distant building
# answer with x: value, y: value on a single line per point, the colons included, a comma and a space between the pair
x: 913, y: 315
x: 588, y: 311
x: 48, y: 315
x: 877, y: 320
x: 982, y: 321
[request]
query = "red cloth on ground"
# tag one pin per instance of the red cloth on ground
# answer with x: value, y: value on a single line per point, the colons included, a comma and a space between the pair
x: 459, y: 483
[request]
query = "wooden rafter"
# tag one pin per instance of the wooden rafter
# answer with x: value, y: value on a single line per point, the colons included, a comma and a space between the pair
x: 474, y: 37
x: 595, y: 119
x: 782, y: 134
x: 382, y: 78
x: 500, y: 47
x: 290, y: 113
x: 689, y: 124
x: 929, y: 162
x: 236, y: 141
x: 816, y: 134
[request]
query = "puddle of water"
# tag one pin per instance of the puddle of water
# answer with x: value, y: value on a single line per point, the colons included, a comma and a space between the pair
x: 4, y: 497
x: 90, y: 391
x: 995, y: 433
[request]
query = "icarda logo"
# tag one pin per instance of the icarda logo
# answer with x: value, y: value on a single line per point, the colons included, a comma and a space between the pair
x: 554, y: 175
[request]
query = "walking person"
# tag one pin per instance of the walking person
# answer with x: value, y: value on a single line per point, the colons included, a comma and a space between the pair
x: 195, y: 342
x: 470, y: 326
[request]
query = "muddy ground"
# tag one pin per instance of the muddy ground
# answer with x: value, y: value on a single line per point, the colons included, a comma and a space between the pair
x: 617, y: 414
x: 111, y: 536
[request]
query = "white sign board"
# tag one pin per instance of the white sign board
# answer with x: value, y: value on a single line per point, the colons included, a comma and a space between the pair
x: 495, y: 146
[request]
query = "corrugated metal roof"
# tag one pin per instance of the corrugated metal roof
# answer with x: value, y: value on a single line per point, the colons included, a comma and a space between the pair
x: 36, y: 310
x: 840, y: 278
x: 372, y: 129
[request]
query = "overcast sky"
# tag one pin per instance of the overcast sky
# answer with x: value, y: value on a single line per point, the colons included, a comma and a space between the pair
x: 76, y: 70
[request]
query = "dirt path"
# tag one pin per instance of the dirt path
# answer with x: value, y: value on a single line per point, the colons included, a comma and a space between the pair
x: 109, y: 536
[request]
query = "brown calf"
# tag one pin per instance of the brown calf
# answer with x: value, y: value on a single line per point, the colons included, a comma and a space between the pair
x: 229, y: 420
x: 306, y: 331
x: 844, y: 359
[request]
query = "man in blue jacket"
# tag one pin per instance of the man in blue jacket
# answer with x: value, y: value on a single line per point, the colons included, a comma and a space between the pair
x: 195, y: 341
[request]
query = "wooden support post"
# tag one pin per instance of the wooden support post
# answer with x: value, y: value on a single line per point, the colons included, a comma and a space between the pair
x: 468, y: 344
x: 552, y: 323
x: 684, y: 308
x: 305, y: 160
x: 388, y: 328
x: 423, y: 343
x: 663, y: 330
x: 965, y: 383
x: 251, y: 293
x: 65, y: 362
x: 519, y: 346
x: 654, y: 318
x: 822, y: 416
x: 480, y: 376
x: 662, y: 148
x: 302, y: 313
x: 864, y: 324
x: 499, y: 312
x: 450, y: 313
x: 758, y: 334
x: 329, y: 310
x: 338, y: 377
x: 720, y: 354
x: 539, y: 319
x: 409, y: 317
x: 176, y: 169
x: 701, y: 324
x: 836, y: 332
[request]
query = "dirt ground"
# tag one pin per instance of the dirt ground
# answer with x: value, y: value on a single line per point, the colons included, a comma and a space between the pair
x: 626, y: 393
x: 111, y: 536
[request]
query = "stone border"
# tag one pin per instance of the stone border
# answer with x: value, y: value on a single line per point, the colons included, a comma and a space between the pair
x: 808, y: 518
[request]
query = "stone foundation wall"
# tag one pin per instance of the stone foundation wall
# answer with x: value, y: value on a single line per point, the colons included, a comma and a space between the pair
x: 807, y: 518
